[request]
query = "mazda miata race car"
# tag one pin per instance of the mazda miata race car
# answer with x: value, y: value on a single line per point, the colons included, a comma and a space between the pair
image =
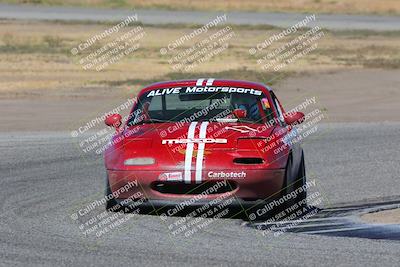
x: 202, y: 139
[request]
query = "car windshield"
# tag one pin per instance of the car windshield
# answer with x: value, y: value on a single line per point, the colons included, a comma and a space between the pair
x: 185, y: 104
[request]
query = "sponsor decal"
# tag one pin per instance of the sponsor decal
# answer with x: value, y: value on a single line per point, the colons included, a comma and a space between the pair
x: 170, y: 176
x: 241, y: 128
x: 165, y: 91
x: 195, y: 140
x: 204, y: 89
x: 265, y: 103
x: 223, y: 89
x: 227, y: 175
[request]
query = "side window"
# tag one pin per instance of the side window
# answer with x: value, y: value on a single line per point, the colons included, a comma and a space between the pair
x: 144, y: 106
x: 278, y: 108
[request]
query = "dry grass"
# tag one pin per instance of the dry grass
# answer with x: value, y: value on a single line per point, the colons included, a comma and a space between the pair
x: 314, y: 6
x: 35, y: 58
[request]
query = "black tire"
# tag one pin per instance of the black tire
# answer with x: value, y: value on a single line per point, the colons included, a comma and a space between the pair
x: 300, y: 182
x: 111, y: 203
x: 291, y: 185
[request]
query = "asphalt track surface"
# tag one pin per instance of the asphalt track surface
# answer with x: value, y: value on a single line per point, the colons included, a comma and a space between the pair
x: 45, y: 178
x: 333, y: 22
x: 343, y: 220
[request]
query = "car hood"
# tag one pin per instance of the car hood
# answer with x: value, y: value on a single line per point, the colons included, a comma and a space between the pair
x: 172, y: 145
x: 215, y: 135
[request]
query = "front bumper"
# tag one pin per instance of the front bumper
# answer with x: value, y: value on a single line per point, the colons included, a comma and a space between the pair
x: 256, y: 186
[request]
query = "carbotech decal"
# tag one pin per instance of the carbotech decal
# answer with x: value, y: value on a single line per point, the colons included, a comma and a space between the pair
x: 226, y: 175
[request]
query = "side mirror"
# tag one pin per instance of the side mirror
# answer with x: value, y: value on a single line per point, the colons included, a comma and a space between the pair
x: 294, y: 118
x: 240, y: 113
x: 113, y: 120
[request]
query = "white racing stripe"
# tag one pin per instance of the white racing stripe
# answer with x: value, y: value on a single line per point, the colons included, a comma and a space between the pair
x: 199, y: 82
x: 210, y: 82
x: 189, y: 153
x: 200, y: 152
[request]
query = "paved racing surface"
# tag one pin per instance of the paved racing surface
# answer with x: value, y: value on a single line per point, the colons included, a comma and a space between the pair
x: 339, y: 221
x: 334, y: 22
x: 45, y: 178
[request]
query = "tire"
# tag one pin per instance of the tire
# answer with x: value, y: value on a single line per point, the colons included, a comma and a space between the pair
x: 299, y: 181
x: 111, y: 204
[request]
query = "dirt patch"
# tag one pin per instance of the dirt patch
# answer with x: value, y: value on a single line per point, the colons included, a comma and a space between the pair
x: 386, y: 217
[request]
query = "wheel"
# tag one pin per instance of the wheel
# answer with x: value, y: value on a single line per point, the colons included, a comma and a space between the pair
x: 111, y: 203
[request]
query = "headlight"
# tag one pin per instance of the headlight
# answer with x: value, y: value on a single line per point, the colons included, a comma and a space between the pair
x: 139, y: 161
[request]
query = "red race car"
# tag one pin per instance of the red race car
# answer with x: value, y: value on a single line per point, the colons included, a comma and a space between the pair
x: 193, y: 141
